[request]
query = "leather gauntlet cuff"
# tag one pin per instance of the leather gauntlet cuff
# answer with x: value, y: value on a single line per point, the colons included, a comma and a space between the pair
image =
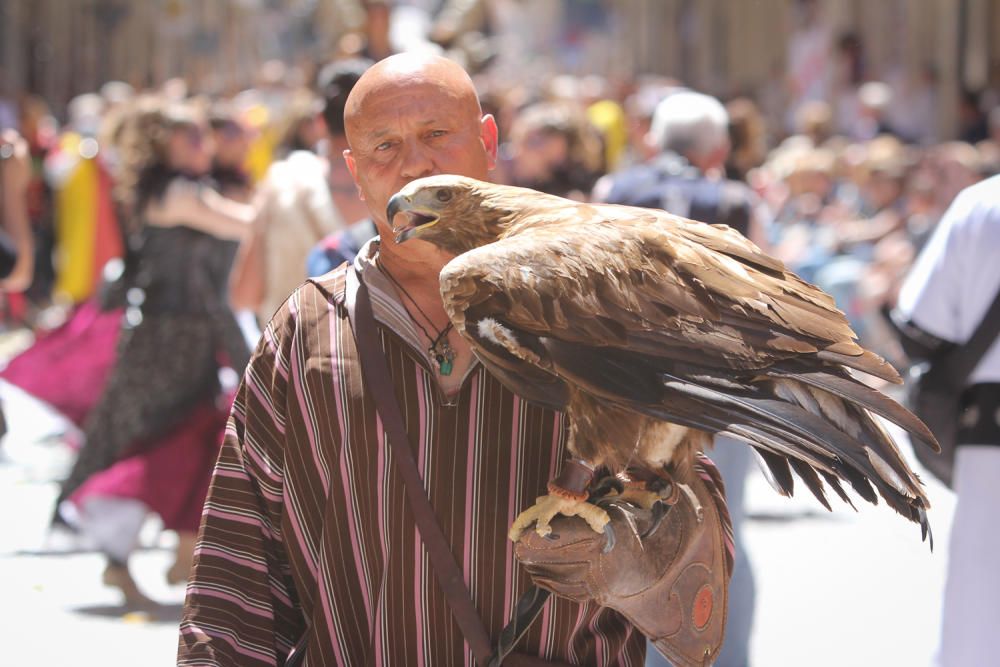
x: 667, y: 569
x: 572, y: 481
x: 683, y: 611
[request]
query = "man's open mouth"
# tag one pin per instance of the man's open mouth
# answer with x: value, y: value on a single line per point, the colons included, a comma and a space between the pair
x: 410, y: 222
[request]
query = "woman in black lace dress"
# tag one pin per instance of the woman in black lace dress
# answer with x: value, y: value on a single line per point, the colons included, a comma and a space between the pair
x: 177, y: 323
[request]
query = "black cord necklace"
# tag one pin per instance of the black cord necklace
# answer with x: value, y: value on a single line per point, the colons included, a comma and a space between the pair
x: 440, y: 350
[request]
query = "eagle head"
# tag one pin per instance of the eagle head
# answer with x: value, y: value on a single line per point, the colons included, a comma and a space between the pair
x: 455, y: 213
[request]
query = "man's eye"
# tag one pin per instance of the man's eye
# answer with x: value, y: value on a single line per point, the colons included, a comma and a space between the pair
x: 438, y: 133
x: 384, y: 146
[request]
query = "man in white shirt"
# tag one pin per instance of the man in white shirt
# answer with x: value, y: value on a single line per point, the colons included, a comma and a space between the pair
x: 946, y: 295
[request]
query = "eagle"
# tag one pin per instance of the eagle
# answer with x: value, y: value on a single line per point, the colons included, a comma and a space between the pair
x: 652, y: 332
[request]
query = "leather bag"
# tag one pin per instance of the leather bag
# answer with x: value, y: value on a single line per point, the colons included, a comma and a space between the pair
x: 935, y: 387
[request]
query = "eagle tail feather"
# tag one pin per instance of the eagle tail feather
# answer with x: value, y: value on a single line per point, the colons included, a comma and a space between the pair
x: 776, y: 471
x: 808, y: 475
x: 800, y: 428
x: 834, y: 482
x: 854, y: 391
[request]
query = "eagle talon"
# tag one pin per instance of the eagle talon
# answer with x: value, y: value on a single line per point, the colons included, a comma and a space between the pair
x: 609, y: 539
x: 659, y: 511
x: 605, y: 487
x: 640, y: 495
x: 547, y: 507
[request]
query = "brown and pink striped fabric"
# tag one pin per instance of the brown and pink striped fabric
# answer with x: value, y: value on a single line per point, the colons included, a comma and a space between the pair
x: 307, y: 524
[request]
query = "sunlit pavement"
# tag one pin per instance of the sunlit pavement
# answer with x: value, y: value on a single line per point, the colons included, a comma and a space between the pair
x: 844, y: 589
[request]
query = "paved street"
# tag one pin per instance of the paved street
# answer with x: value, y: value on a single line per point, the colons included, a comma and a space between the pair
x: 842, y: 589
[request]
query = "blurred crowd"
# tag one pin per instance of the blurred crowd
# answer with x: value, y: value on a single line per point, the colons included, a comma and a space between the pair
x: 844, y: 189
x: 848, y: 193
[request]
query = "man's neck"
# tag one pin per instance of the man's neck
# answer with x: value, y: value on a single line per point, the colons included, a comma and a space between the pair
x: 418, y: 271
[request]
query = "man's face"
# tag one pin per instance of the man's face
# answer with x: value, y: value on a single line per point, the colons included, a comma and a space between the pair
x: 412, y: 130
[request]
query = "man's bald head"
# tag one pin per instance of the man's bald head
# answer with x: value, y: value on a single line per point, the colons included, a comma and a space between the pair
x: 411, y: 116
x: 410, y: 69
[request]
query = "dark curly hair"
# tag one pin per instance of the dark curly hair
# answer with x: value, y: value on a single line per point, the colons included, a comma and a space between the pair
x: 142, y: 140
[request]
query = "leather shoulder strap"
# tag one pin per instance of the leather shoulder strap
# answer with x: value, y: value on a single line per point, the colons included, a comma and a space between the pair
x: 375, y: 371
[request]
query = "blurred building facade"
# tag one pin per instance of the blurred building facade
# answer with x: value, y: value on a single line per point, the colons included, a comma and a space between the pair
x: 60, y: 48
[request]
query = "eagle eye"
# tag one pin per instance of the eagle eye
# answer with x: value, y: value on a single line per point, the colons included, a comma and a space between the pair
x: 443, y: 195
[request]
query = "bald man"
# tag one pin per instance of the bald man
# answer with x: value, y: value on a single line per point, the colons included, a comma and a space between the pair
x: 308, y: 540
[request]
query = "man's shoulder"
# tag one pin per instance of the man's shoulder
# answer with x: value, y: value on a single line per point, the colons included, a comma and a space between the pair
x: 333, y: 284
x: 632, y: 186
x: 971, y: 224
x: 311, y: 301
x: 983, y: 199
x: 635, y: 173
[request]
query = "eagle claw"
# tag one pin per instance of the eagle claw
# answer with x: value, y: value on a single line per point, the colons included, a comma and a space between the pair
x: 547, y: 507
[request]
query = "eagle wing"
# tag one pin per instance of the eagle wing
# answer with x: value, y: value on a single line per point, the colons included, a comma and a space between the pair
x: 688, y: 323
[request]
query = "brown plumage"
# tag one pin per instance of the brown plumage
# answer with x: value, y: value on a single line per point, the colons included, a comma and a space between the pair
x: 629, y: 317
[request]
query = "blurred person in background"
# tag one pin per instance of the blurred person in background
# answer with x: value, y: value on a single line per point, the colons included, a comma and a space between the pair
x: 67, y: 364
x: 808, y: 62
x: 40, y: 130
x: 881, y: 196
x: 994, y: 125
x: 87, y: 232
x: 874, y: 101
x: 747, y: 138
x: 16, y: 244
x: 800, y: 236
x: 177, y: 322
x: 846, y: 231
x: 608, y: 118
x: 956, y: 166
x: 337, y: 81
x: 372, y: 39
x: 302, y: 125
x: 945, y: 297
x: 687, y: 176
x: 914, y: 109
x: 972, y: 120
x: 231, y: 141
x: 304, y: 198
x: 553, y: 148
x: 687, y: 179
x: 846, y: 78
x: 8, y: 105
x: 814, y: 120
x: 639, y: 109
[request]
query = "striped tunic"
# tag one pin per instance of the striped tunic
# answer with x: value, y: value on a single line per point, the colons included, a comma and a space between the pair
x: 307, y: 527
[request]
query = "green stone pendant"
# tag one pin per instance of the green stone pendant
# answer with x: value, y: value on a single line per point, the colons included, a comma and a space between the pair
x: 444, y: 365
x: 444, y: 356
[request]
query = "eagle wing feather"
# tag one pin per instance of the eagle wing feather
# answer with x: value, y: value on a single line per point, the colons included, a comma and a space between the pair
x: 688, y: 323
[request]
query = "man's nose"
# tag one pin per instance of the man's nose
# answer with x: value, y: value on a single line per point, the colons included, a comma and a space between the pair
x: 416, y: 161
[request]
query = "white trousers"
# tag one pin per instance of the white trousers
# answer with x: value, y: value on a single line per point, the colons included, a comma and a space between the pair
x: 111, y: 524
x: 970, y: 623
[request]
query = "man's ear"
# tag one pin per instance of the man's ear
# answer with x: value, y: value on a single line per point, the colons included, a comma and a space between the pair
x: 353, y: 168
x: 490, y: 135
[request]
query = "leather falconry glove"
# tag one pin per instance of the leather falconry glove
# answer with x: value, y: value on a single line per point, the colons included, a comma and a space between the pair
x: 666, y: 569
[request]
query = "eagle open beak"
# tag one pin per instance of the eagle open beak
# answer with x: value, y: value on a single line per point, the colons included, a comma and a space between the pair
x: 415, y: 220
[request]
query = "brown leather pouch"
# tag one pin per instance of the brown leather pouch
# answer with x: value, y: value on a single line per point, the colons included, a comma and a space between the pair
x: 667, y: 570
